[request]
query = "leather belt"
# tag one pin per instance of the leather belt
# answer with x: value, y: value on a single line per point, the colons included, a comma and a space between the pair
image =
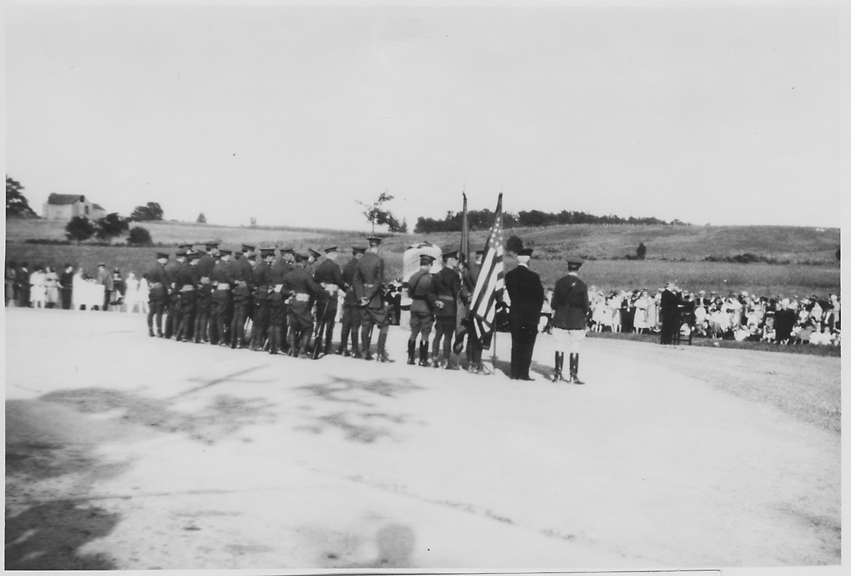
x: 301, y: 296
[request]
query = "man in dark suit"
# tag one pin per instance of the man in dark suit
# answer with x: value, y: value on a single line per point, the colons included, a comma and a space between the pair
x: 668, y: 312
x: 157, y: 278
x: 570, y: 306
x: 527, y: 298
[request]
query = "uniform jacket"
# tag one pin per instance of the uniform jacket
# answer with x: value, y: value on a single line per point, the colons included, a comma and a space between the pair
x: 419, y: 289
x: 369, y: 275
x: 222, y: 273
x: 668, y: 305
x: 570, y: 303
x: 261, y: 278
x: 187, y: 275
x: 445, y: 287
x: 241, y: 273
x: 527, y: 296
x: 299, y: 281
x: 157, y: 275
x: 349, y: 279
x: 205, y: 265
x: 328, y: 272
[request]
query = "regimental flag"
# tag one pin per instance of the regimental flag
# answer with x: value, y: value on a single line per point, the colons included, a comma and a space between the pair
x: 491, y: 282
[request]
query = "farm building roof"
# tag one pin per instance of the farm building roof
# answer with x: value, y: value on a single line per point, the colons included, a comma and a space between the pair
x: 97, y: 207
x: 64, y: 198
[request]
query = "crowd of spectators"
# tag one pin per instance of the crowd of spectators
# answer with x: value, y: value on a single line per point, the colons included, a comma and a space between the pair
x: 74, y: 289
x: 740, y: 317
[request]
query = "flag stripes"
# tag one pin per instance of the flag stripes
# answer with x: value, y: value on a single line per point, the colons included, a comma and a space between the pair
x: 490, y: 283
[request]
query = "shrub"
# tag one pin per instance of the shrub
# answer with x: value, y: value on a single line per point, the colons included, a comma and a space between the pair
x: 80, y: 228
x: 139, y: 237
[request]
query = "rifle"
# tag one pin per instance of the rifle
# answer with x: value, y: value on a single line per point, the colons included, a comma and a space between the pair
x: 320, y: 332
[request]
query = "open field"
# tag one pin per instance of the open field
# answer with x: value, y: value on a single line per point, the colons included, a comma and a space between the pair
x: 184, y: 456
x: 803, y: 246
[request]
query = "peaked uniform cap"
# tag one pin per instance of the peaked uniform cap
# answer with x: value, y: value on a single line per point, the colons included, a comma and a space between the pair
x: 331, y: 249
x: 358, y: 250
x: 162, y: 255
x: 373, y: 240
x: 452, y: 254
x: 524, y: 252
x: 301, y: 256
x: 426, y: 259
x: 211, y: 245
x: 267, y: 252
x: 225, y: 252
x: 247, y: 248
x: 314, y: 253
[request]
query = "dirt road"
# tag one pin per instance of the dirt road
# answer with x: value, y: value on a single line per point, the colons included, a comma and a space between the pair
x: 128, y: 452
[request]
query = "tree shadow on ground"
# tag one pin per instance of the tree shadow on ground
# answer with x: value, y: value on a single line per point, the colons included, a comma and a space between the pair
x: 222, y: 417
x: 359, y: 423
x: 48, y: 536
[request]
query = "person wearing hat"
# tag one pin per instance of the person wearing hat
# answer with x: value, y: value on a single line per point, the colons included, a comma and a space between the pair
x: 527, y: 298
x: 277, y: 303
x: 186, y: 285
x: 422, y: 304
x: 172, y: 318
x: 444, y: 292
x: 330, y: 277
x: 571, y: 307
x: 368, y: 280
x: 241, y: 300
x: 204, y: 293
x: 104, y: 278
x: 312, y: 257
x: 350, y: 319
x: 669, y: 313
x: 221, y: 279
x: 301, y: 290
x: 261, y: 279
x: 468, y: 286
x: 157, y: 279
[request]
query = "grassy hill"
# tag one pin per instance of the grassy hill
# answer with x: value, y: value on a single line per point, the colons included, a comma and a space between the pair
x: 673, y: 252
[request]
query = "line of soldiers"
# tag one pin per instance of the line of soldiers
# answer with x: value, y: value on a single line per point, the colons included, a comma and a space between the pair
x: 208, y: 295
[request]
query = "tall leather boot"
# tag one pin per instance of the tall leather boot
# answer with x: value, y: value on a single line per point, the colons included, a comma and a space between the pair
x: 574, y: 369
x: 355, y: 345
x: 364, y: 336
x: 304, y: 341
x: 292, y: 349
x: 329, y: 333
x: 424, y: 354
x: 558, y: 366
x: 435, y: 354
x: 382, y: 353
x: 411, y: 346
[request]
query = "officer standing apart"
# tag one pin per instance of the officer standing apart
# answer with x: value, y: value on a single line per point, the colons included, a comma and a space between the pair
x: 422, y: 303
x: 527, y: 298
x: 157, y: 278
x: 445, y: 288
x: 369, y: 276
x: 570, y: 306
x: 351, y: 317
x: 330, y: 277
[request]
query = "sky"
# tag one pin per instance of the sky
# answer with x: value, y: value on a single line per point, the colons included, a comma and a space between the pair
x: 290, y: 114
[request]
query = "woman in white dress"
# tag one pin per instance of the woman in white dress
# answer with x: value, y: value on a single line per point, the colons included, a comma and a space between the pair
x: 615, y: 311
x: 51, y: 282
x: 639, y: 322
x: 131, y: 293
x: 38, y: 288
x: 142, y: 295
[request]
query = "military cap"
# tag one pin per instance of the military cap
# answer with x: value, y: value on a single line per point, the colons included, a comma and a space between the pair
x: 331, y: 249
x: 524, y: 252
x: 314, y: 253
x: 252, y: 256
x: 301, y: 256
x: 225, y: 252
x: 247, y: 248
x: 238, y: 253
x: 101, y: 265
x: 211, y: 245
x: 194, y: 255
x: 374, y: 240
x: 184, y: 245
x: 426, y: 259
x: 452, y: 254
x: 480, y: 252
x: 181, y: 252
x: 574, y: 264
x: 162, y: 255
x: 358, y: 250
x: 287, y: 251
x: 267, y: 252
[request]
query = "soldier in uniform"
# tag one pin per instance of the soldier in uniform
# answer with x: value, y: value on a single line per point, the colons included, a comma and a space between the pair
x: 527, y: 298
x: 445, y: 289
x: 330, y: 277
x: 262, y: 280
x: 474, y: 345
x: 668, y: 313
x: 277, y: 305
x: 312, y: 257
x: 221, y: 279
x: 300, y: 289
x: 241, y: 297
x: 203, y: 297
x: 350, y: 320
x: 157, y: 279
x: 422, y: 303
x: 173, y: 304
x: 368, y: 278
x: 187, y: 283
x: 570, y: 306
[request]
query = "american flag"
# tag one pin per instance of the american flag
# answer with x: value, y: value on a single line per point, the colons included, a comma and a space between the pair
x: 490, y: 283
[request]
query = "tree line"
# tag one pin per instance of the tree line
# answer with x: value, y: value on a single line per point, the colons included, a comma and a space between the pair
x: 483, y: 219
